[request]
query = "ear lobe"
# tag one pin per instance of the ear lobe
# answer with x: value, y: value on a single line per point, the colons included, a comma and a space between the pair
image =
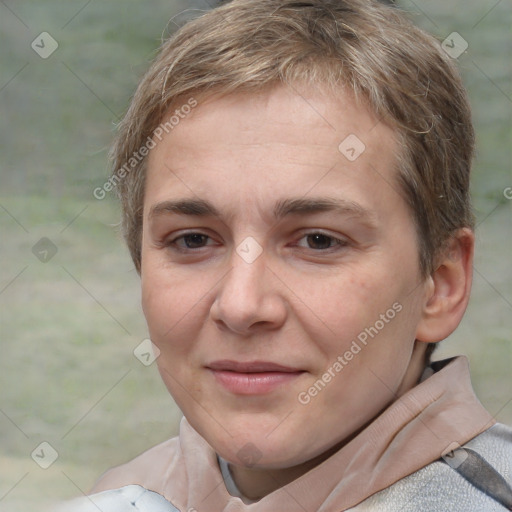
x: 448, y: 289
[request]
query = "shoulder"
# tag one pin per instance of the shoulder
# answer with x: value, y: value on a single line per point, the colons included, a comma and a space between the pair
x: 438, y: 487
x: 145, y: 469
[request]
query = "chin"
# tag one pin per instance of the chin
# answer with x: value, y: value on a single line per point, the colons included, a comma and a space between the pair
x: 253, y: 448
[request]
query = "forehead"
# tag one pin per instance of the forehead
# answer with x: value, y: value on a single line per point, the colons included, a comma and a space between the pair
x: 259, y: 144
x: 278, y: 112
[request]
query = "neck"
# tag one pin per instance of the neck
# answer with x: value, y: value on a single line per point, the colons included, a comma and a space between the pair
x: 254, y: 484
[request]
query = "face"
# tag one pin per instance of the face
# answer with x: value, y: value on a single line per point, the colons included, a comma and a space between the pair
x: 280, y: 275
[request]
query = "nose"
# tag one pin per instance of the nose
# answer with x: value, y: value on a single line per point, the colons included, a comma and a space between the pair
x: 249, y: 298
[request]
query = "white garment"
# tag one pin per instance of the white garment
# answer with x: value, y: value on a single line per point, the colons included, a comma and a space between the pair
x: 132, y: 498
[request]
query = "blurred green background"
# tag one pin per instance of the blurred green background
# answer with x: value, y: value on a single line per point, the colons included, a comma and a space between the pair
x: 69, y: 326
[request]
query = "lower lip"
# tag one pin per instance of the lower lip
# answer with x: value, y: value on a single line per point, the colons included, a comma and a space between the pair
x: 254, y: 383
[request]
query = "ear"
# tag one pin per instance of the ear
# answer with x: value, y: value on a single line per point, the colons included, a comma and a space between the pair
x: 448, y: 289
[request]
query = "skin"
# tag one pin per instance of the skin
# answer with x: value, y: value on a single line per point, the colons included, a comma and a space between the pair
x: 304, y: 300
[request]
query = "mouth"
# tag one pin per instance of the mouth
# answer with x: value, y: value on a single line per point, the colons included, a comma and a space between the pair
x: 253, y: 377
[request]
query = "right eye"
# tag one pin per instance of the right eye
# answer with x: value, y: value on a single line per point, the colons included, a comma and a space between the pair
x: 190, y: 241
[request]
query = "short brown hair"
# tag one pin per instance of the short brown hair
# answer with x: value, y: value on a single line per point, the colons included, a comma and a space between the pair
x: 364, y: 46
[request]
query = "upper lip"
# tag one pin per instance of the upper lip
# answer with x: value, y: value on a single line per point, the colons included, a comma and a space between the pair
x: 249, y: 367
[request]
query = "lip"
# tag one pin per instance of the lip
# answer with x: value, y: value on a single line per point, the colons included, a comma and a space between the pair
x: 253, y: 377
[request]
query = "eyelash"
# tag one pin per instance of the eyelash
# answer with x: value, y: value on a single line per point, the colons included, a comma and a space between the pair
x: 338, y: 243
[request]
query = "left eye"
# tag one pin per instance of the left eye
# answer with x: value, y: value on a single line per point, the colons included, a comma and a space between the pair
x: 320, y: 241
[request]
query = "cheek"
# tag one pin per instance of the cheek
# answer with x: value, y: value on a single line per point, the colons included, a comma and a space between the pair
x: 369, y: 315
x: 169, y: 303
x: 173, y: 312
x: 344, y: 305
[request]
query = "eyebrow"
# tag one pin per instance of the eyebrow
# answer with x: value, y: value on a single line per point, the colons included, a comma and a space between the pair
x: 283, y: 208
x: 196, y: 207
x: 323, y: 204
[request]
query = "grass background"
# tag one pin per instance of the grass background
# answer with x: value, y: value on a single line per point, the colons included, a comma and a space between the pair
x: 68, y: 327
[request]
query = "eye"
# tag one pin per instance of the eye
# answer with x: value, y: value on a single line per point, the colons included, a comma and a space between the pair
x: 190, y: 241
x: 320, y: 242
